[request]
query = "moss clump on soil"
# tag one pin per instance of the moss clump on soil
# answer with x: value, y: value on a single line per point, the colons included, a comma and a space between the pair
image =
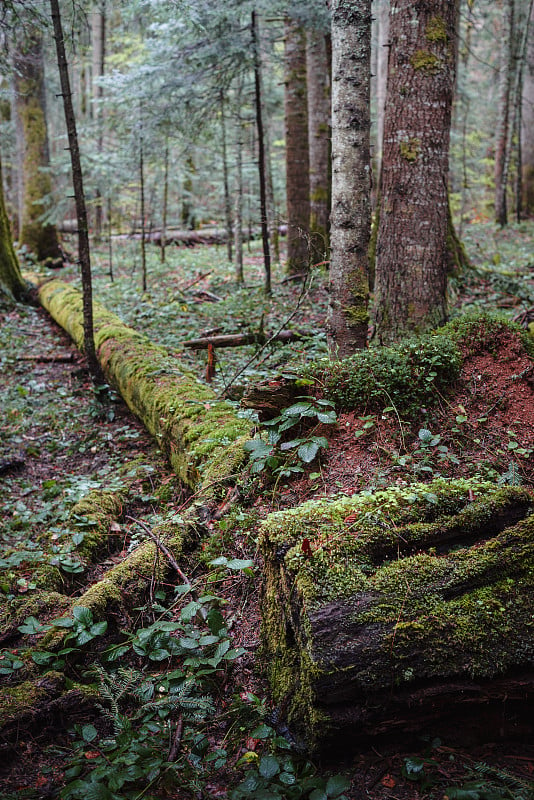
x: 201, y: 436
x: 370, y: 592
x: 406, y: 376
x: 415, y: 372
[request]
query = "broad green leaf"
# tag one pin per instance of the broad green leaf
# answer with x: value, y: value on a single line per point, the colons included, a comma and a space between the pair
x: 308, y: 451
x: 336, y: 785
x: 268, y: 767
x: 89, y: 733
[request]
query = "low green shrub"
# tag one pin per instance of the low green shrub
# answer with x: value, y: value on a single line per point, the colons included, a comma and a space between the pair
x: 406, y: 375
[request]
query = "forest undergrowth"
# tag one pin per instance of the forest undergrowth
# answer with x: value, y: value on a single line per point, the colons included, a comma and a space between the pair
x: 166, y: 698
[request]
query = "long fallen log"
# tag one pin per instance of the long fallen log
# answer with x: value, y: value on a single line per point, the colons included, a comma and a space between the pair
x: 398, y: 608
x: 202, y: 437
x: 240, y: 339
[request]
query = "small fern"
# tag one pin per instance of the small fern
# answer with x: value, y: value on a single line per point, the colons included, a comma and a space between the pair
x: 511, y: 477
x: 512, y: 782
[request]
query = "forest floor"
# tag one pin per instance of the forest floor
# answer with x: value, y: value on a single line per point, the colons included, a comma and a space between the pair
x: 59, y: 439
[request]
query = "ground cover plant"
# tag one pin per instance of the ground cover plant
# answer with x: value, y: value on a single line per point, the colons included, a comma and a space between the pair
x: 162, y: 695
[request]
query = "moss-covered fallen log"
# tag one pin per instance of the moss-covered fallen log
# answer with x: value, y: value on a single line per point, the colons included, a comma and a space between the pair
x: 202, y: 437
x: 416, y: 597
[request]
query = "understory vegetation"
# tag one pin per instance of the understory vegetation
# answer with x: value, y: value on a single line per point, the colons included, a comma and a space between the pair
x: 156, y: 666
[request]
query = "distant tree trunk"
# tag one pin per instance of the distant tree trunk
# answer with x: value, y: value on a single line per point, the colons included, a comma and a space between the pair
x: 527, y: 133
x: 188, y: 215
x: 165, y: 202
x: 11, y: 282
x: 506, y: 71
x: 297, y: 158
x: 226, y: 187
x: 32, y: 144
x: 142, y: 203
x: 98, y: 38
x: 412, y: 251
x: 272, y: 216
x: 381, y: 80
x: 238, y: 229
x: 318, y: 78
x: 351, y: 188
x: 84, y: 253
x: 261, y: 157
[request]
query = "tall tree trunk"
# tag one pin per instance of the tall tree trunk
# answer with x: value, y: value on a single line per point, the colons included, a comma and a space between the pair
x: 527, y: 133
x: 412, y: 252
x: 506, y: 72
x: 381, y: 80
x: 227, y: 204
x: 84, y: 253
x: 272, y: 216
x: 98, y: 39
x: 142, y: 201
x: 351, y: 207
x: 261, y: 156
x: 165, y: 203
x: 297, y: 158
x: 238, y: 229
x: 32, y: 144
x: 318, y: 78
x: 11, y: 282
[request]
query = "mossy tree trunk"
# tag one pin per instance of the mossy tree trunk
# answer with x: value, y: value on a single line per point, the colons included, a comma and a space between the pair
x: 297, y: 151
x: 35, y: 183
x: 318, y: 76
x: 411, y: 251
x: 351, y: 207
x: 11, y: 282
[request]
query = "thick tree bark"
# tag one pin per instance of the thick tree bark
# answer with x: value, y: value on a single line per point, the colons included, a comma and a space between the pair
x: 411, y: 252
x: 318, y: 76
x: 84, y: 252
x: 11, y: 283
x: 297, y: 157
x: 32, y: 144
x: 351, y: 177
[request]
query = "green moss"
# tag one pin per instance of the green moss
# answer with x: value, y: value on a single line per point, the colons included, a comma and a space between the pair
x: 426, y: 61
x: 190, y: 425
x: 436, y: 30
x: 410, y: 149
x: 417, y: 371
x: 409, y: 582
x: 407, y: 375
x: 25, y: 699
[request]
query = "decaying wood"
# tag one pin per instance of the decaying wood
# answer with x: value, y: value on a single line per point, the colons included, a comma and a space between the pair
x: 241, y: 339
x: 373, y: 624
x: 268, y: 398
x: 67, y: 359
